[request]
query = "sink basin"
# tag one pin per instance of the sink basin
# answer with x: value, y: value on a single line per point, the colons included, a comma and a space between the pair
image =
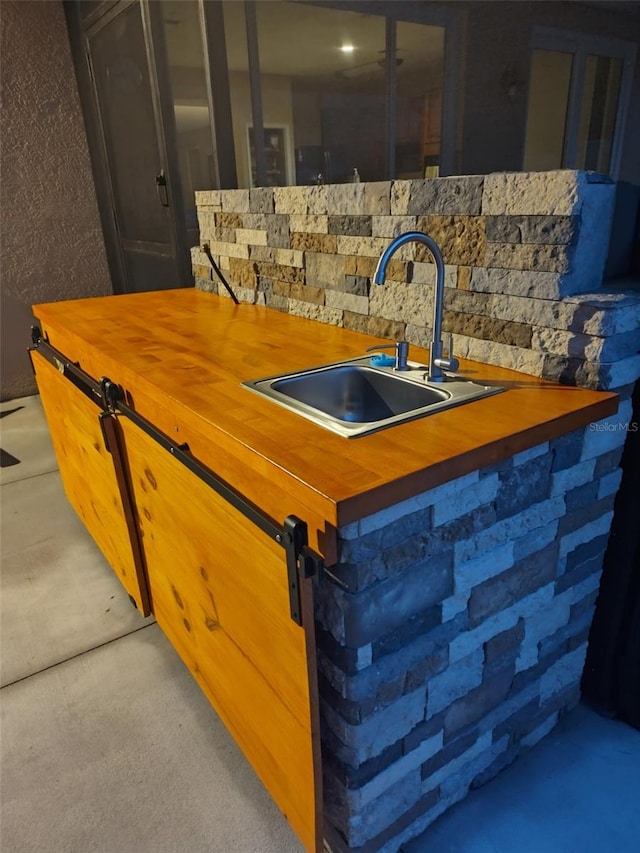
x: 353, y: 398
x: 356, y: 393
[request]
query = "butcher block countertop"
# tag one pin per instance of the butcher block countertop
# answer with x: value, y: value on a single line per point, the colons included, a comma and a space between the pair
x: 180, y: 356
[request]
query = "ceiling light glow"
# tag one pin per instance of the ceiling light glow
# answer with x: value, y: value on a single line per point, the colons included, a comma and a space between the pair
x: 347, y: 48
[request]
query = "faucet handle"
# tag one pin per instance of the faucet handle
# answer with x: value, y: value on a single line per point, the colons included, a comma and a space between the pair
x: 450, y: 362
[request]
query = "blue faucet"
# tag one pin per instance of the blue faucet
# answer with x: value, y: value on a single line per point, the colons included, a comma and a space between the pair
x: 436, y: 361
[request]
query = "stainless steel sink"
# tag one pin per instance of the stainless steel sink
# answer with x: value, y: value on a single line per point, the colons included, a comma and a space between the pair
x: 353, y: 398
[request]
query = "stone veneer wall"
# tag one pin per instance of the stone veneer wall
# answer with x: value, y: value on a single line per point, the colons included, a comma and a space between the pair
x: 457, y: 633
x: 524, y: 256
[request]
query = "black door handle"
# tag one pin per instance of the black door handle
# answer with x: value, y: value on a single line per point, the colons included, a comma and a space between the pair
x: 161, y: 188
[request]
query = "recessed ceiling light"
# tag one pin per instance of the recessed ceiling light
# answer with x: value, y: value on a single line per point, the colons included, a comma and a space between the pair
x: 347, y: 48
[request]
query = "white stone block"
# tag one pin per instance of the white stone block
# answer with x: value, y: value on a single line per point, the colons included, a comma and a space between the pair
x: 545, y: 193
x: 230, y: 250
x: 623, y: 372
x: 309, y: 223
x: 347, y: 301
x: 569, y: 478
x: 537, y: 515
x: 465, y: 501
x: 390, y: 227
x: 364, y: 656
x: 609, y: 433
x: 360, y: 797
x: 531, y: 453
x: 252, y: 236
x: 315, y: 312
x: 539, y: 625
x: 455, y: 604
x: 371, y: 247
x: 400, y: 301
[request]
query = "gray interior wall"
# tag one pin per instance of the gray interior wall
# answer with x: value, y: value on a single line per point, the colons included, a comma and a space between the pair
x: 51, y: 239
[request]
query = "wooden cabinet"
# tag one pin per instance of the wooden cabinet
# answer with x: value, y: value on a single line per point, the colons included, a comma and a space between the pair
x: 218, y: 585
x: 92, y: 478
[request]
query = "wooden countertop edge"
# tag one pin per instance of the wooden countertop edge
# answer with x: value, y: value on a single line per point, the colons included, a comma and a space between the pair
x: 383, y: 497
x: 338, y: 503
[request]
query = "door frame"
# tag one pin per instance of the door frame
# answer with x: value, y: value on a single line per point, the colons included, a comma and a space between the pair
x: 157, y: 67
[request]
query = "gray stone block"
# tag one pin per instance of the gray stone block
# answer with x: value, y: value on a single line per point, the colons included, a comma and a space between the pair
x: 581, y: 496
x: 357, y: 226
x: 325, y: 270
x: 382, y: 608
x: 446, y: 196
x: 529, y: 256
x: 547, y: 230
x: 465, y: 642
x: 278, y: 233
x: 449, y: 753
x: 504, y: 644
x: 472, y: 707
x: 587, y: 568
x: 356, y: 284
x: 523, y: 486
x: 564, y: 674
x: 261, y: 200
x: 566, y: 450
x: 418, y: 624
x: 592, y: 514
x: 378, y: 731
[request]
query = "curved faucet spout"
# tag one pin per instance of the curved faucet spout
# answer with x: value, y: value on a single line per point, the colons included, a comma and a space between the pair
x: 436, y: 361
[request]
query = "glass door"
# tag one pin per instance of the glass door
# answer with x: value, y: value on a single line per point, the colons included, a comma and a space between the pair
x: 121, y: 47
x: 578, y: 95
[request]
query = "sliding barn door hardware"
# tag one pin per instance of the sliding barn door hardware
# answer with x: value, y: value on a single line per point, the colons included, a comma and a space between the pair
x: 302, y: 562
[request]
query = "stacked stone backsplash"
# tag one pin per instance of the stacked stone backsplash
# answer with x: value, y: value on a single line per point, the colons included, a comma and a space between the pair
x: 456, y: 635
x: 524, y: 255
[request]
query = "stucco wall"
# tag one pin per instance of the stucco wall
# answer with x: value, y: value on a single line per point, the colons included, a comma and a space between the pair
x: 51, y: 239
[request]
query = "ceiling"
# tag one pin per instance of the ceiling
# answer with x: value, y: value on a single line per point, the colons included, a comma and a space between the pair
x: 298, y: 40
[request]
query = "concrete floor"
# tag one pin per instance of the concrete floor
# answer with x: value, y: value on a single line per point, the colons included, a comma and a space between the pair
x: 108, y: 744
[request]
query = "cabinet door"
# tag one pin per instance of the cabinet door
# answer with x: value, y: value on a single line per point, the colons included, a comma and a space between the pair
x: 219, y: 586
x: 90, y: 475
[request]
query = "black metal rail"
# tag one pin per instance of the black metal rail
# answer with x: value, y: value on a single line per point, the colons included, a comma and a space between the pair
x: 301, y: 560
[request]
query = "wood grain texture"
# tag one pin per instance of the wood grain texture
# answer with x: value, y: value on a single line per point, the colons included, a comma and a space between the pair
x: 89, y: 477
x: 220, y: 594
x: 182, y: 355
